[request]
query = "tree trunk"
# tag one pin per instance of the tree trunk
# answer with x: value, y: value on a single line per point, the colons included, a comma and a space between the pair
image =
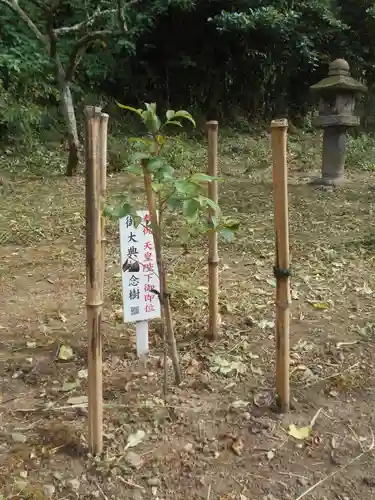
x: 68, y: 111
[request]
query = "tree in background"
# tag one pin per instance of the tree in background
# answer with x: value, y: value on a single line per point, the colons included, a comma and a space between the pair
x: 67, y: 44
x: 250, y: 57
x: 241, y: 61
x: 66, y: 29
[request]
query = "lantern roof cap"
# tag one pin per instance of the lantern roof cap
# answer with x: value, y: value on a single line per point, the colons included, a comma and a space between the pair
x: 339, y: 79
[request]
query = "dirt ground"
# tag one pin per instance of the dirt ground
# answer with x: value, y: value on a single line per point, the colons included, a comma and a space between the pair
x: 218, y: 437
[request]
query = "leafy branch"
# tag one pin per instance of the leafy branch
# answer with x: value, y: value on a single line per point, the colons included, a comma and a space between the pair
x: 84, y: 25
x: 186, y: 195
x: 84, y: 29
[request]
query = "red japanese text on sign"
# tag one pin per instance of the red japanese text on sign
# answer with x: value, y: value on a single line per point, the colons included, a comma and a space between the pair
x: 140, y: 271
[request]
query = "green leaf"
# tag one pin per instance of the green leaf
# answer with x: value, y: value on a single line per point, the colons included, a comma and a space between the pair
x: 170, y: 114
x: 151, y: 120
x: 140, y: 155
x: 125, y: 209
x: 185, y: 187
x: 154, y: 164
x: 205, y: 201
x: 212, y: 223
x: 233, y: 225
x: 173, y: 122
x: 129, y: 108
x: 157, y: 187
x: 213, y: 205
x: 201, y: 177
x: 227, y: 234
x: 190, y: 210
x: 164, y: 173
x: 174, y: 203
x: 167, y: 171
x: 134, y: 169
x: 141, y: 140
x: 136, y: 220
x: 109, y: 211
x: 151, y: 107
x: 184, y: 114
x: 117, y: 212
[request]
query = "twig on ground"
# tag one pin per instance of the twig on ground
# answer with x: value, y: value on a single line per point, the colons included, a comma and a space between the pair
x: 209, y: 492
x: 264, y: 478
x: 107, y: 406
x: 29, y: 427
x: 283, y: 442
x: 336, y: 374
x: 314, y: 419
x: 343, y: 467
x: 356, y: 438
x: 15, y: 398
x: 101, y: 491
x: 236, y: 346
x: 290, y: 474
x: 130, y: 483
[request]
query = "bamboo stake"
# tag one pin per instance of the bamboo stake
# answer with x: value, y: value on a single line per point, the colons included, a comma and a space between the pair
x: 103, y: 187
x: 282, y: 273
x: 93, y: 281
x: 167, y: 323
x: 213, y: 256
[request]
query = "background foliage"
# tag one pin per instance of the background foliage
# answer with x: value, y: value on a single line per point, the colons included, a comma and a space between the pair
x: 242, y: 61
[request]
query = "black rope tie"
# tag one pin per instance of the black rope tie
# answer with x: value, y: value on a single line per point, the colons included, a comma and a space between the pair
x: 278, y: 272
x: 158, y: 294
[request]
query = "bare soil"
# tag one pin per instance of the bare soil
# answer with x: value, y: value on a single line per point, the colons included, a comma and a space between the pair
x: 219, y: 435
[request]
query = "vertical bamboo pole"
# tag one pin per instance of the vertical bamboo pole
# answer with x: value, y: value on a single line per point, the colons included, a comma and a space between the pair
x: 279, y: 130
x: 164, y: 295
x: 213, y: 256
x: 103, y: 187
x: 93, y: 280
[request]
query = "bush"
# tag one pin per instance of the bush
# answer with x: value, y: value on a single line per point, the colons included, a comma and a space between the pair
x: 19, y: 119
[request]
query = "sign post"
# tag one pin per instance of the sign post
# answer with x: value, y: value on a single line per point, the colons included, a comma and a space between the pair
x: 140, y: 277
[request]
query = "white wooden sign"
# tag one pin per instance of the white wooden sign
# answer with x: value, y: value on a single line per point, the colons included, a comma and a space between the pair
x: 140, y: 276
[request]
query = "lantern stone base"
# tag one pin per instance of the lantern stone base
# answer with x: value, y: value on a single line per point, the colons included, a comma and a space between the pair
x: 333, y: 161
x: 324, y: 182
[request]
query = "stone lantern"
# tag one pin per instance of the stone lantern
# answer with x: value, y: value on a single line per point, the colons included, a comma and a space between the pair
x: 337, y: 95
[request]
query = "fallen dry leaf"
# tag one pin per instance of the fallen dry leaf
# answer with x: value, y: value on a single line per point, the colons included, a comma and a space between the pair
x: 322, y: 306
x: 65, y: 353
x: 240, y: 404
x: 299, y: 432
x: 334, y: 444
x: 70, y: 386
x: 256, y: 370
x: 225, y: 366
x: 237, y: 446
x: 83, y: 373
x: 135, y: 439
x: 77, y: 400
x: 262, y: 399
x: 264, y: 324
x: 63, y: 318
x: 341, y: 344
x: 193, y: 368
